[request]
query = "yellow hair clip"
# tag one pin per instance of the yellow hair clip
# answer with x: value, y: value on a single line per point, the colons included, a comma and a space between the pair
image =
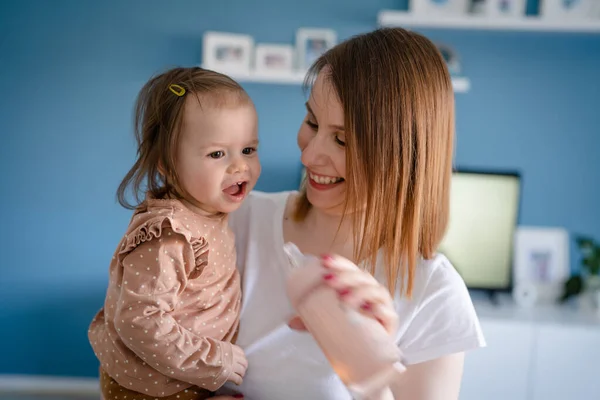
x: 176, y: 89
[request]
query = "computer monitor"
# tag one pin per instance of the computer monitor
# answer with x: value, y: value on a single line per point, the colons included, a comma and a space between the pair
x: 484, y: 209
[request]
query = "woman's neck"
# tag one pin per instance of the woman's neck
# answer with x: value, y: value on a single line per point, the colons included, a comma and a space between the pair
x: 321, y: 233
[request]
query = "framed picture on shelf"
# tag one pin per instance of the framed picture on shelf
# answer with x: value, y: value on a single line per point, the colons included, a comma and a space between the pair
x: 451, y: 58
x: 439, y: 7
x: 275, y: 58
x: 311, y: 43
x: 572, y: 9
x: 541, y: 261
x: 227, y: 52
x: 504, y: 8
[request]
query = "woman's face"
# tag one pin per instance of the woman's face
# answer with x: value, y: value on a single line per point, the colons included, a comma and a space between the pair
x: 322, y: 141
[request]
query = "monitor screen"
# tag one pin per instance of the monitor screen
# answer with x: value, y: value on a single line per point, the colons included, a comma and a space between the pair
x: 484, y: 208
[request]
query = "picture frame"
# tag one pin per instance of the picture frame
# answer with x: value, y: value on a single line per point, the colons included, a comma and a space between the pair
x: 439, y: 7
x: 274, y: 58
x: 228, y: 52
x: 541, y: 262
x: 505, y: 8
x: 451, y: 58
x: 569, y: 9
x: 311, y: 43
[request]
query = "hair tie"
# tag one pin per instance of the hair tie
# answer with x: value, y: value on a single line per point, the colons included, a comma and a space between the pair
x: 177, y: 90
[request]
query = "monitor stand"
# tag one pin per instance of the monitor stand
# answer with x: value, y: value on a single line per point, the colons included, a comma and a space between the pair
x: 493, y: 296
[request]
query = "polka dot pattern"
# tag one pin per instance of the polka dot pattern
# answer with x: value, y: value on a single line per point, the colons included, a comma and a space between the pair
x: 172, y: 306
x: 111, y: 390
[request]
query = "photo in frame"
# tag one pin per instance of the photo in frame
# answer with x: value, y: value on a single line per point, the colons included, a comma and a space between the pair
x: 228, y: 52
x: 451, y: 58
x: 569, y: 9
x: 275, y: 58
x: 311, y: 43
x: 439, y: 7
x: 541, y: 262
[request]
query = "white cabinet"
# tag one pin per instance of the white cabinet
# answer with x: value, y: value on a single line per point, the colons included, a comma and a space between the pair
x: 500, y: 370
x: 567, y: 365
x: 549, y: 353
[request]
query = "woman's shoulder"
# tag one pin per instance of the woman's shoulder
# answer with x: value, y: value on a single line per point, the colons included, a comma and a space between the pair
x: 437, y: 273
x: 439, y: 318
x: 430, y: 276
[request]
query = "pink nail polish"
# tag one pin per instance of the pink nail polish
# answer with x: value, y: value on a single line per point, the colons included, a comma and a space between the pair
x: 357, y: 346
x: 329, y: 277
x: 366, y: 306
x: 326, y: 258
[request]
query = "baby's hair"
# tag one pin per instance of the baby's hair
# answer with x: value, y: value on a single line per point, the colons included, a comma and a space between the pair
x: 157, y: 125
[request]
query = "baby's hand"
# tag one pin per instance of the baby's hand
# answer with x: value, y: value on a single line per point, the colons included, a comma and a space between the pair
x: 239, y: 365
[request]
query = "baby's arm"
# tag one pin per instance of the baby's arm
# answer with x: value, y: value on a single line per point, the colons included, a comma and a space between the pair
x: 154, y: 277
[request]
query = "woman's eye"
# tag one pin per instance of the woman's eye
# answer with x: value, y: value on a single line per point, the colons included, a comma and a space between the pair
x: 312, y: 125
x: 339, y: 141
x: 216, y: 154
x: 249, y: 150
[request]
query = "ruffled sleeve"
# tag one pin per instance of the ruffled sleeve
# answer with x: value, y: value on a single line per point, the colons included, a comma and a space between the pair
x: 152, y: 229
x: 158, y: 259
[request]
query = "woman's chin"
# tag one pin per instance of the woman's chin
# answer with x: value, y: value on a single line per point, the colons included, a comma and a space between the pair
x: 327, y: 200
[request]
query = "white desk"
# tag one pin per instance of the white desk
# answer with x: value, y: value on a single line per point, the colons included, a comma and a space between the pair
x: 542, y: 353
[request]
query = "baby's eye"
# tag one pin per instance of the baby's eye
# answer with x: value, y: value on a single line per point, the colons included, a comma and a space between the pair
x: 249, y: 150
x: 216, y: 154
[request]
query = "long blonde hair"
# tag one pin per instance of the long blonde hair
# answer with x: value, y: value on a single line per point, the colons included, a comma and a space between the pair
x: 398, y: 105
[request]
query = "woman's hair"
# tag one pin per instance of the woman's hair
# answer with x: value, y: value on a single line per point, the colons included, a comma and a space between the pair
x: 398, y: 103
x: 158, y: 116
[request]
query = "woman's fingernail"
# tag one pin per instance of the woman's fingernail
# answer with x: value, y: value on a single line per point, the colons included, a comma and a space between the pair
x: 366, y: 306
x: 344, y: 292
x: 326, y: 258
x: 238, y: 396
x: 329, y: 277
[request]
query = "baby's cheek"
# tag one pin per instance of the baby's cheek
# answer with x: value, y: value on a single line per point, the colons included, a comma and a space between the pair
x: 256, y: 167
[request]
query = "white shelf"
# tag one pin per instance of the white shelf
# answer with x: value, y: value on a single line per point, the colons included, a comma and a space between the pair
x: 460, y: 84
x: 405, y: 19
x: 284, y: 78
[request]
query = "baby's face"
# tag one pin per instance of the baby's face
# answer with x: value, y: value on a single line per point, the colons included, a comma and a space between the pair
x: 217, y: 159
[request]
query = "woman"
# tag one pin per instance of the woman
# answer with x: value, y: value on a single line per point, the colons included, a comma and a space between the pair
x: 377, y: 145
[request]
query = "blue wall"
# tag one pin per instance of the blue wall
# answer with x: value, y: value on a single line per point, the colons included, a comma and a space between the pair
x: 69, y: 72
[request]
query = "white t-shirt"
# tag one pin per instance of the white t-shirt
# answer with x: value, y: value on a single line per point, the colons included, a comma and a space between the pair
x: 286, y: 364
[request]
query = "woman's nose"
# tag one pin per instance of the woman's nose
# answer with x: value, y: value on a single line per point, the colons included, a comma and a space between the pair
x: 313, y: 153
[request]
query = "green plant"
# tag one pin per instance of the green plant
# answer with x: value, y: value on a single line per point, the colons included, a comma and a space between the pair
x: 590, y: 267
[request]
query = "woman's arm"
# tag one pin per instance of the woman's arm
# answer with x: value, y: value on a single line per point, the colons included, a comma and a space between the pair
x: 437, y: 379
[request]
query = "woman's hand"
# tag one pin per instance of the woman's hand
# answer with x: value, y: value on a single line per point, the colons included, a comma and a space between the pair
x: 359, y: 290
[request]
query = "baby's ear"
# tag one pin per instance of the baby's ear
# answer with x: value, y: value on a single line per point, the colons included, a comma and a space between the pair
x: 297, y: 324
